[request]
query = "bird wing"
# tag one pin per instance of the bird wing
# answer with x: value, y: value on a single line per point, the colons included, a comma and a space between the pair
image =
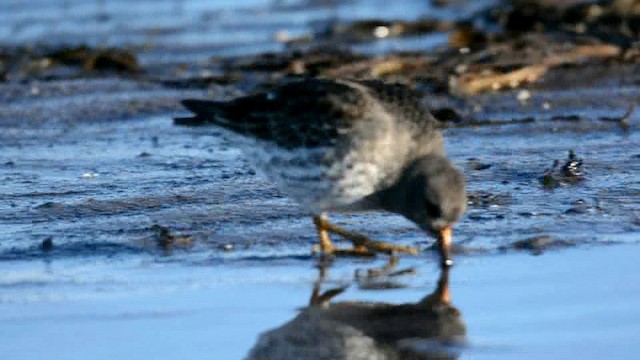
x: 401, y: 101
x: 309, y: 113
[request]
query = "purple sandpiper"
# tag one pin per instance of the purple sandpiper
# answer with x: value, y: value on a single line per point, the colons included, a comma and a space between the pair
x: 346, y: 145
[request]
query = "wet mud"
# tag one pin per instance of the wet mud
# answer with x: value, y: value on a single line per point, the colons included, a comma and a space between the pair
x: 537, y: 101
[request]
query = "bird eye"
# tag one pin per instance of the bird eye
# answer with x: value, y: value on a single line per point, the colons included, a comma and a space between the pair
x: 433, y: 210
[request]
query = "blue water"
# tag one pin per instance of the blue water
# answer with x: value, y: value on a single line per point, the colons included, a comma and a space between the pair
x: 576, y: 303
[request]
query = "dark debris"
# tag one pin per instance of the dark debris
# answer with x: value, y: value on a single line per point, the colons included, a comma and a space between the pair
x: 582, y: 206
x: 570, y: 172
x: 110, y: 59
x: 616, y: 21
x: 476, y: 164
x: 165, y: 240
x: 47, y: 244
x: 50, y: 63
x: 622, y: 121
x: 310, y: 62
x: 486, y: 199
x: 537, y: 245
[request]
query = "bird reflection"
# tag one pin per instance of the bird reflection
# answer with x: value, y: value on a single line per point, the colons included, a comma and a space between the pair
x: 431, y: 328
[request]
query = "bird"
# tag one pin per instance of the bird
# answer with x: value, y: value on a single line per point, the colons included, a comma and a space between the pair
x: 431, y: 328
x: 343, y: 145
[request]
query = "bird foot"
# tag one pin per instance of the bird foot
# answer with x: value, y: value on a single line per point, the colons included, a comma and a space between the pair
x: 358, y: 251
x: 383, y: 247
x: 387, y: 270
x: 362, y: 245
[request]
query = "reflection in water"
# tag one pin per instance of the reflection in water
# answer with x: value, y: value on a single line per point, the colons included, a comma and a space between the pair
x: 432, y: 328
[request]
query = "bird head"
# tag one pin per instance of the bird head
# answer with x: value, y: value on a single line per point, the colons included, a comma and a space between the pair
x: 430, y: 192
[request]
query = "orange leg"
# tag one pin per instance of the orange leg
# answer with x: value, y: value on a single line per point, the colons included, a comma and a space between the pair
x: 362, y: 245
x: 442, y: 294
x: 444, y: 247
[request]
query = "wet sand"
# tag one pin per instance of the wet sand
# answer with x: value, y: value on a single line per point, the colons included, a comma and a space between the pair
x: 91, y: 167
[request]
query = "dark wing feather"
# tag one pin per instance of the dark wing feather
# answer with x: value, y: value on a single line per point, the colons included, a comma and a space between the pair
x: 401, y: 101
x: 307, y: 113
x: 224, y: 114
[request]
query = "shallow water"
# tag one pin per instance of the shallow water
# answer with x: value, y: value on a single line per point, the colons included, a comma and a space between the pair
x: 136, y: 307
x: 79, y: 165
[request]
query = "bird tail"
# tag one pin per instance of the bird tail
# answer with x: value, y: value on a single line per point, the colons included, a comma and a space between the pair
x: 205, y: 112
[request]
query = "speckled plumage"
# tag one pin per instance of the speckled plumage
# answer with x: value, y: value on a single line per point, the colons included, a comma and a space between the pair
x: 328, y: 144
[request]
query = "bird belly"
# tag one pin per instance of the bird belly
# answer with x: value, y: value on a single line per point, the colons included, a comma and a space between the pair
x: 318, y: 178
x: 312, y: 177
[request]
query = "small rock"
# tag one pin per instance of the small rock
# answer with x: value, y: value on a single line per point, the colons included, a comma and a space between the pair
x: 537, y: 244
x: 523, y: 96
x: 381, y: 31
x: 579, y: 207
x: 476, y: 164
x: 89, y: 175
x: 227, y: 247
x: 570, y: 172
x: 549, y: 182
x: 573, y: 167
x: 166, y: 240
x: 486, y: 199
x: 47, y: 244
x: 112, y: 59
x: 282, y: 36
x: 566, y: 118
x: 527, y: 214
x: 49, y: 205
